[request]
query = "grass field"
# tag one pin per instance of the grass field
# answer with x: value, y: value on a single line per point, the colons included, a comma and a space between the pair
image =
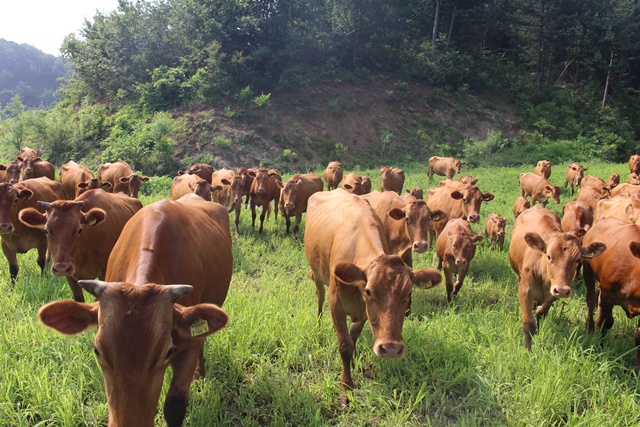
x: 276, y: 364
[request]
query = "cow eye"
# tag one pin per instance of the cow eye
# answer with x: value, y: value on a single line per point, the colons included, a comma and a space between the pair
x: 368, y: 292
x: 549, y: 257
x: 80, y: 231
x: 169, y: 353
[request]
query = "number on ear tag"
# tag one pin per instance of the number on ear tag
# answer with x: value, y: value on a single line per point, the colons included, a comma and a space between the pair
x: 200, y: 327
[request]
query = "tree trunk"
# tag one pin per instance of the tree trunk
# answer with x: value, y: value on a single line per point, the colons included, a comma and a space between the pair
x: 606, y: 84
x: 539, y: 58
x: 453, y: 17
x: 436, y: 24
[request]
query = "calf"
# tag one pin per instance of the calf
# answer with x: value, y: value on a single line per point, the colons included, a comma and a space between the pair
x: 634, y: 164
x: 202, y: 170
x: 520, y: 205
x: 294, y: 195
x: 352, y: 183
x: 539, y: 188
x: 72, y: 174
x: 347, y: 250
x: 494, y: 229
x: 444, y: 166
x: 263, y: 190
x: 187, y: 183
x: 545, y: 259
x: 543, y: 169
x: 121, y: 177
x: 333, y: 175
x: 10, y: 173
x: 35, y: 167
x: 392, y: 179
x: 575, y: 173
x: 82, y: 232
x: 455, y: 248
x: 577, y: 217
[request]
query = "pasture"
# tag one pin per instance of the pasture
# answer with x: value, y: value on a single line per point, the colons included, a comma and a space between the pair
x: 275, y: 364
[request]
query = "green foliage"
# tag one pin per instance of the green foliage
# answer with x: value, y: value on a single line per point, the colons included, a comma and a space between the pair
x: 262, y: 100
x: 221, y: 141
x: 165, y: 91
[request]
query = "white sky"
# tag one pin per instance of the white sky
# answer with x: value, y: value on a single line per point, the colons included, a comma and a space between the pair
x: 45, y: 23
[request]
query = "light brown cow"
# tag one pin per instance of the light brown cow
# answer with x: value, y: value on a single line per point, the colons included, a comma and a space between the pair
x: 634, y: 179
x: 202, y: 170
x: 10, y: 172
x: 520, y: 205
x: 543, y: 169
x: 29, y: 152
x: 72, y: 174
x: 494, y: 227
x: 294, y: 195
x: 228, y: 189
x: 625, y: 189
x: 82, y: 232
x: 347, y: 250
x: 575, y: 173
x: 634, y: 163
x: 539, y: 188
x: 444, y: 166
x: 263, y: 190
x: 224, y: 195
x: 577, y: 217
x: 591, y: 195
x: 352, y: 183
x: 415, y: 192
x: 35, y: 167
x: 593, y: 181
x: 617, y: 274
x: 17, y: 238
x: 468, y: 179
x: 625, y: 208
x: 166, y: 277
x: 121, y: 177
x: 545, y: 259
x: 333, y: 175
x: 188, y: 183
x: 392, y: 179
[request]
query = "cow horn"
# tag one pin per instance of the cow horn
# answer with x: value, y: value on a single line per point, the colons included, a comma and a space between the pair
x: 94, y: 287
x: 177, y: 291
x: 43, y: 205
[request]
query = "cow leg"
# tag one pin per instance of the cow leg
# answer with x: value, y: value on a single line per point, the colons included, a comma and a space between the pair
x: 75, y: 289
x: 199, y: 374
x: 526, y: 309
x: 542, y: 310
x: 605, y: 315
x: 345, y: 343
x: 12, y: 260
x: 287, y: 221
x: 460, y: 279
x: 592, y: 296
x: 448, y: 279
x: 175, y: 405
x: 296, y: 225
x: 356, y: 329
x: 42, y: 257
x: 636, y: 363
x: 253, y: 215
x: 237, y: 221
x: 320, y: 292
x: 265, y: 209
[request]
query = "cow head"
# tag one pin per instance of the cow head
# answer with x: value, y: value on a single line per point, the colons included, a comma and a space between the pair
x: 463, y: 246
x: 92, y: 184
x: 499, y: 223
x: 27, y: 166
x: 238, y: 185
x: 133, y: 182
x: 457, y: 164
x: 469, y: 180
x: 11, y: 198
x: 260, y: 178
x: 12, y: 172
x: 201, y: 188
x: 418, y: 220
x: 289, y: 193
x: 335, y: 171
x: 472, y: 198
x: 416, y: 192
x: 520, y: 205
x: 614, y: 180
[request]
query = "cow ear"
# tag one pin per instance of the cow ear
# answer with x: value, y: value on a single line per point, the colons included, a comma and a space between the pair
x: 215, y: 189
x: 199, y: 321
x: 181, y: 172
x: 94, y: 217
x: 144, y: 179
x: 633, y: 216
x: 396, y: 214
x: 124, y: 179
x: 593, y: 250
x: 457, y: 195
x: 349, y: 273
x: 20, y: 159
x: 426, y: 278
x: 477, y: 239
x: 25, y: 193
x: 635, y: 249
x: 3, y: 167
x: 535, y: 241
x: 32, y: 218
x: 279, y: 184
x: 438, y: 215
x: 82, y: 185
x: 585, y: 169
x: 69, y: 317
x: 225, y: 181
x: 106, y: 185
x: 347, y: 186
x: 487, y: 197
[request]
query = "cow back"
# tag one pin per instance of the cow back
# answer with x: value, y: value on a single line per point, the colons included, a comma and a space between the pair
x: 72, y: 174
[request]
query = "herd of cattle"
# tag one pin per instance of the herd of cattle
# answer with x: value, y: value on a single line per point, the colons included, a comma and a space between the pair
x: 163, y: 270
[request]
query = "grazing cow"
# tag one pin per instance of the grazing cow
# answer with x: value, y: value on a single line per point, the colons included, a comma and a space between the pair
x: 575, y: 173
x: 614, y: 180
x: 166, y: 277
x: 591, y: 195
x: 35, y: 167
x: 577, y: 217
x: 455, y: 248
x: 187, y: 183
x: 545, y: 259
x: 72, y: 174
x: 520, y: 205
x: 10, y: 173
x: 634, y: 178
x: 352, y: 183
x: 333, y: 175
x: 121, y: 177
x: 17, y: 238
x: 634, y: 163
x: 543, y: 169
x: 625, y: 208
x: 263, y: 190
x: 444, y: 166
x: 415, y: 192
x: 494, y: 229
x: 625, y: 189
x: 202, y: 170
x: 392, y: 179
x: 617, y: 274
x: 29, y: 152
x: 406, y: 223
x: 82, y: 232
x: 539, y: 188
x: 348, y: 252
x: 294, y: 195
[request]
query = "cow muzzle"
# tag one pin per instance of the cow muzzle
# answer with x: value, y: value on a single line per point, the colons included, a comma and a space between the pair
x: 63, y: 269
x: 474, y: 218
x: 390, y: 349
x: 561, y: 291
x: 6, y: 228
x: 289, y: 205
x: 421, y: 246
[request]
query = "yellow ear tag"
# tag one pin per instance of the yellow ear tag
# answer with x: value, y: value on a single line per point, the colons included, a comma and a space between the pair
x: 200, y: 327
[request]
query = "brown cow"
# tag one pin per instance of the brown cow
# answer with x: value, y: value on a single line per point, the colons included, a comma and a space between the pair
x: 35, y: 167
x: 92, y: 184
x: 406, y: 223
x: 82, y: 232
x: 415, y: 192
x: 294, y: 195
x: 444, y: 166
x: 539, y: 188
x: 229, y: 188
x: 543, y: 169
x: 121, y: 177
x: 520, y: 205
x: 188, y: 183
x: 263, y: 190
x: 333, y: 175
x: 224, y: 195
x: 575, y: 173
x: 625, y: 189
x: 166, y: 277
x: 577, y: 217
x: 11, y: 172
x: 634, y: 163
x: 366, y: 184
x: 591, y: 195
x: 465, y: 180
x: 455, y: 248
x: 347, y: 250
x: 352, y: 183
x: 593, y: 181
x: 17, y: 238
x: 614, y: 180
x: 29, y: 152
x: 545, y: 259
x: 494, y: 229
x: 625, y: 208
x: 634, y: 178
x: 72, y: 174
x: 202, y: 170
x: 392, y: 179
x: 617, y: 274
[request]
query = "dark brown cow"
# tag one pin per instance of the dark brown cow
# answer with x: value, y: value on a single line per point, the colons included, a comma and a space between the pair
x: 494, y: 229
x: 72, y: 174
x: 187, y: 183
x: 294, y: 195
x: 634, y: 163
x: 575, y: 173
x: 347, y: 250
x: 17, y: 238
x: 263, y: 190
x: 35, y: 167
x: 591, y: 195
x: 577, y: 217
x: 82, y: 232
x: 392, y: 179
x: 539, y: 188
x: 406, y: 223
x: 333, y: 175
x: 614, y: 180
x: 617, y: 274
x: 625, y: 189
x: 520, y: 205
x: 121, y: 177
x: 166, y: 277
x: 543, y: 169
x: 455, y: 248
x: 352, y: 183
x: 625, y: 208
x: 202, y: 170
x: 415, y: 192
x: 545, y: 259
x: 634, y: 178
x: 11, y: 172
x: 444, y: 166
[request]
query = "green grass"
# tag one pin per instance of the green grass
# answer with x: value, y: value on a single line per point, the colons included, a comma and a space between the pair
x: 276, y: 364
